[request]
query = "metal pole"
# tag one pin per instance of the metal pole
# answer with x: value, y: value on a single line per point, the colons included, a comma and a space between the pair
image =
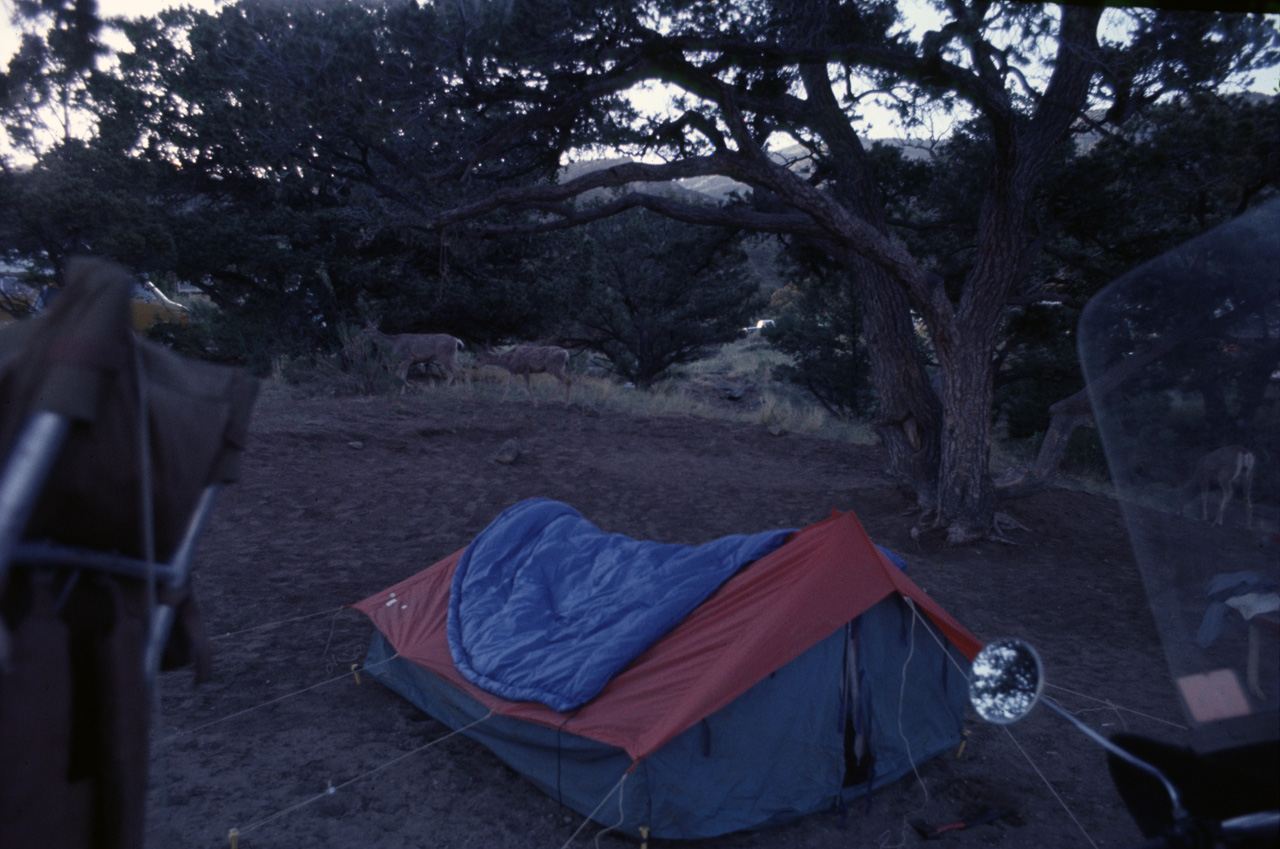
x: 22, y: 480
x: 180, y: 566
x: 24, y: 475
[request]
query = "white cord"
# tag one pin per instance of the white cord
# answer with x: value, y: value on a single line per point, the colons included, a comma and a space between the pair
x: 902, y: 697
x: 223, y: 636
x: 616, y: 789
x: 348, y: 674
x: 622, y: 815
x: 1061, y: 801
x: 332, y: 788
x: 1113, y: 706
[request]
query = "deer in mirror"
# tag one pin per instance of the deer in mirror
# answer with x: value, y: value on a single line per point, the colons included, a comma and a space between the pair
x: 1227, y: 468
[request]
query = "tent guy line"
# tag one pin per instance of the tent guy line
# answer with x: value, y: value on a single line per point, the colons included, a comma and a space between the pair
x: 902, y: 694
x: 1109, y: 703
x: 617, y: 788
x: 234, y: 833
x: 798, y: 642
x: 399, y: 602
x: 227, y: 634
x: 1052, y: 789
x: 334, y: 788
x: 915, y: 614
x: 348, y: 674
x: 1112, y: 706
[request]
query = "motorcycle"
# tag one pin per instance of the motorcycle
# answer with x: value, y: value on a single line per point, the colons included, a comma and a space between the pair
x: 1182, y: 362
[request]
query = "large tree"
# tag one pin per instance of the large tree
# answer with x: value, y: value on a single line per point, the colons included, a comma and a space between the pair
x: 458, y: 116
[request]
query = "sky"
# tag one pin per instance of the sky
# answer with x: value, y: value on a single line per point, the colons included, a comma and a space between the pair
x: 10, y: 38
x: 880, y: 122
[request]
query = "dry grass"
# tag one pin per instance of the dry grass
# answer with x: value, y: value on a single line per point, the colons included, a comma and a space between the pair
x: 689, y: 393
x: 752, y: 358
x: 749, y: 363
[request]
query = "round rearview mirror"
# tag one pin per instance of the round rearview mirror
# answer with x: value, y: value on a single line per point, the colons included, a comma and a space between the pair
x: 1006, y: 682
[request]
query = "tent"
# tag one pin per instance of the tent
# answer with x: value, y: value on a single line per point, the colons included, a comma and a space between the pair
x: 811, y: 674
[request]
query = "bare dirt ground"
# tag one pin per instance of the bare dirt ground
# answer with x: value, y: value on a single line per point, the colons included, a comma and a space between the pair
x: 341, y: 498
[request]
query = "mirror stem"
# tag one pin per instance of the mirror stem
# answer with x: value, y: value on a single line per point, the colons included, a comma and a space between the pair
x: 1178, y: 812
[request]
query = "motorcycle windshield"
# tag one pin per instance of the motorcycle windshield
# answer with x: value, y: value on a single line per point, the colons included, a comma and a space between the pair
x: 1182, y: 359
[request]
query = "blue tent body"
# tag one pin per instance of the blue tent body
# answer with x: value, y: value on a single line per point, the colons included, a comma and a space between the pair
x: 851, y: 711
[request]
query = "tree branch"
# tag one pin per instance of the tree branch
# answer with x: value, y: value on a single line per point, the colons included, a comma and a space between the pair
x: 563, y: 216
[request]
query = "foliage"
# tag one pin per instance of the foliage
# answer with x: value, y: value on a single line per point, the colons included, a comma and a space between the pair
x: 356, y: 368
x: 1193, y: 335
x: 655, y: 293
x: 76, y: 199
x: 1174, y: 172
x: 820, y: 326
x: 188, y: 176
x: 247, y: 339
x: 482, y: 292
x: 1038, y: 366
x: 1166, y: 176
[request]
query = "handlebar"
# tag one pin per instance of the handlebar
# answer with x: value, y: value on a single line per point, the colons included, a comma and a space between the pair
x: 1264, y: 824
x: 1257, y: 829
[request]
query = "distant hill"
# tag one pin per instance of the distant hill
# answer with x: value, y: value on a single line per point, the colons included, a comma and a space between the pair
x: 689, y: 190
x: 718, y: 189
x: 715, y: 188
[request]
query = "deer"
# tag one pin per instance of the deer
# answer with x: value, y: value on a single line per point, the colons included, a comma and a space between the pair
x: 1226, y: 468
x: 528, y: 360
x: 409, y: 349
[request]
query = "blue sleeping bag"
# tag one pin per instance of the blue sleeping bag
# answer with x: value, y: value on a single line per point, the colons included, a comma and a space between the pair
x: 547, y: 607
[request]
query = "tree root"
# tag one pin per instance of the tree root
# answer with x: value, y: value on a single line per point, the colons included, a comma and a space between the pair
x: 957, y: 534
x: 928, y: 521
x: 1005, y: 521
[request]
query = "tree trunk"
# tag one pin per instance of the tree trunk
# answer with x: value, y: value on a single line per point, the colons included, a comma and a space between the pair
x: 909, y: 420
x: 964, y: 332
x: 966, y: 494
